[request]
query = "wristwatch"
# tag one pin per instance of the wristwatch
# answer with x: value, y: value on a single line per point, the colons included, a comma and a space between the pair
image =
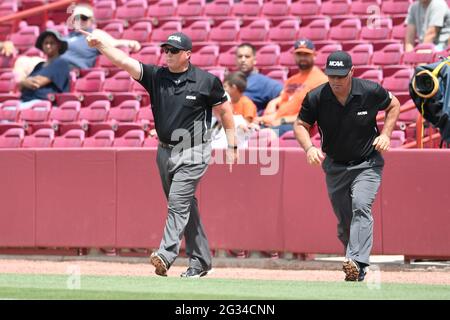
x: 232, y: 147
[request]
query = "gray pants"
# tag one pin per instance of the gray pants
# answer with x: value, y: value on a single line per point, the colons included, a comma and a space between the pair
x: 352, y: 191
x: 180, y: 174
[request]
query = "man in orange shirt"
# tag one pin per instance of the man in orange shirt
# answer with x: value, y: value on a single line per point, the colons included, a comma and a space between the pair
x: 281, y: 112
x: 235, y: 84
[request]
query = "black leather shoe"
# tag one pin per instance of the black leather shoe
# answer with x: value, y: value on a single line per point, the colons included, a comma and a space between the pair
x: 362, y: 274
x: 195, y: 273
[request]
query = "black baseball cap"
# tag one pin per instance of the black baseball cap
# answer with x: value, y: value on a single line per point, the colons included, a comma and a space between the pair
x: 59, y: 38
x: 304, y: 45
x: 178, y: 40
x: 339, y: 63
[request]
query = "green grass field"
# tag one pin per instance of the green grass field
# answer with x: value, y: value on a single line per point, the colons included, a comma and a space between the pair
x: 16, y: 286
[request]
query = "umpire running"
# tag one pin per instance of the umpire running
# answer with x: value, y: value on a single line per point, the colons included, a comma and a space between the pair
x: 345, y: 109
x: 183, y: 99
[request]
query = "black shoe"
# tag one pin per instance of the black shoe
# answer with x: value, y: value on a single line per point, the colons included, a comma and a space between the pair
x: 362, y: 274
x: 160, y: 264
x: 195, y: 273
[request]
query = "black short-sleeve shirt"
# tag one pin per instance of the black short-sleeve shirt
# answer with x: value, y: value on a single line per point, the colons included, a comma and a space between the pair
x: 348, y: 131
x: 182, y: 102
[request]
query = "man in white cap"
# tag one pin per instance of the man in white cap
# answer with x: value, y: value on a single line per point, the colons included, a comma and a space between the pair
x: 80, y: 55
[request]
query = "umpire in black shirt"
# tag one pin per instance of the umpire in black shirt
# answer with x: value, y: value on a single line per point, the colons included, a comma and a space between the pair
x: 345, y: 109
x: 183, y: 99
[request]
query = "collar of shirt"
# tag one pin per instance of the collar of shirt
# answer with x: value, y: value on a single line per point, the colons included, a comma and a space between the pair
x: 356, y: 90
x: 190, y: 74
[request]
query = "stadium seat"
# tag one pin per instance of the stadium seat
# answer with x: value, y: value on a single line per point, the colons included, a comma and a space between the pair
x: 373, y: 75
x: 422, y: 54
x: 324, y: 52
x: 362, y: 7
x: 316, y: 30
x: 399, y: 32
x: 96, y: 112
x: 397, y: 138
x: 206, y: 56
x: 145, y: 117
x: 148, y: 55
x: 25, y: 37
x: 361, y: 54
x: 66, y: 113
x: 9, y: 111
x: 255, y: 31
x: 104, y: 10
x: 38, y: 113
x: 114, y: 29
x: 399, y: 81
x: 7, y: 82
x: 120, y: 82
x: 132, y: 138
x: 285, y: 31
x: 161, y: 33
x: 219, y: 72
x: 247, y: 8
x: 389, y: 55
x: 305, y: 8
x: 71, y: 139
x: 219, y: 10
x: 12, y: 138
x: 132, y: 10
x: 335, y: 7
x: 268, y: 56
x: 191, y: 8
x: 101, y: 139
x: 198, y: 31
x: 280, y: 75
x: 227, y: 31
x: 151, y: 142
x: 140, y: 31
x: 163, y: 11
x: 393, y: 7
x: 276, y: 9
x: 91, y: 82
x: 227, y: 59
x: 348, y: 29
x: 42, y: 138
x: 380, y: 29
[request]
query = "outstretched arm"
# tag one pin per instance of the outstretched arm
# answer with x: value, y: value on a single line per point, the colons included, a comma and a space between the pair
x: 119, y: 58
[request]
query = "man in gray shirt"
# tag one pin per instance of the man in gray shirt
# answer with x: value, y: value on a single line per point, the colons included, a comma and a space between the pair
x: 429, y: 21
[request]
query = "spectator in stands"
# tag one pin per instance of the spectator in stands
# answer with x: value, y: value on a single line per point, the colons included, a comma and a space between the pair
x: 428, y: 22
x: 7, y: 48
x: 235, y: 85
x: 79, y: 54
x: 260, y: 89
x: 281, y: 112
x: 50, y: 76
x: 244, y: 111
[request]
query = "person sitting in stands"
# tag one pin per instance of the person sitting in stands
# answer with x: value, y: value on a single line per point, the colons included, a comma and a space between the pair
x: 50, y: 76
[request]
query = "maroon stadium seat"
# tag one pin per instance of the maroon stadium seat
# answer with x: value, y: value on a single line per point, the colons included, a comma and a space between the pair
x: 132, y: 138
x: 12, y: 138
x: 71, y: 139
x: 42, y: 138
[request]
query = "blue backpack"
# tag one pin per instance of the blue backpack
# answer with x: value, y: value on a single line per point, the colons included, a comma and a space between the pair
x: 430, y: 90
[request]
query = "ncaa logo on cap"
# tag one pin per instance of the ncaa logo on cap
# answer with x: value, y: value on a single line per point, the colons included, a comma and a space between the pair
x: 336, y: 64
x: 175, y: 38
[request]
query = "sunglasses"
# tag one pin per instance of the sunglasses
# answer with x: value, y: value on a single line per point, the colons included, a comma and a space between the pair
x: 82, y: 17
x: 171, y: 50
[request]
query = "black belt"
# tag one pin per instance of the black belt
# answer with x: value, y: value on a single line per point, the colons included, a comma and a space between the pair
x: 355, y: 162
